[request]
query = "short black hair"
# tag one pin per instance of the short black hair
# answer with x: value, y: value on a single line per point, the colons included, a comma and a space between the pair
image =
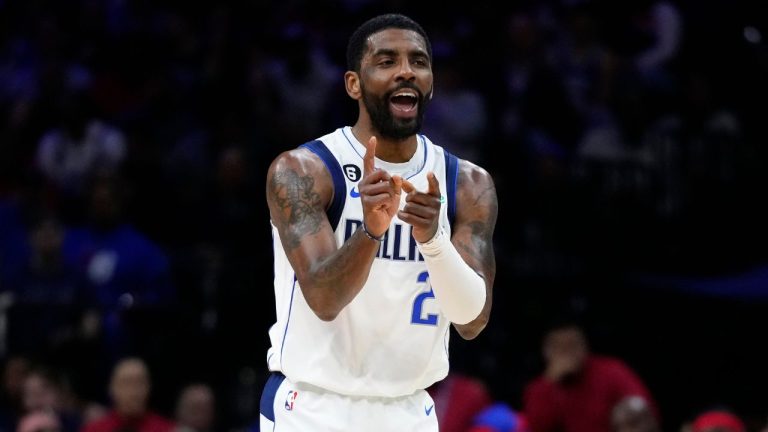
x: 563, y: 320
x: 357, y: 42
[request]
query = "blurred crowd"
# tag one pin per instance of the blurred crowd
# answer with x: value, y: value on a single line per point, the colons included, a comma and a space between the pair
x: 625, y: 138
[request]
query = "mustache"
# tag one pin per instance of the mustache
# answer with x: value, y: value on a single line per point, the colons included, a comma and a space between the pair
x: 406, y: 85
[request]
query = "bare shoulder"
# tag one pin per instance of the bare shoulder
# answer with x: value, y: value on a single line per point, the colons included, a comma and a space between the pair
x: 299, y: 160
x: 475, y: 187
x: 299, y: 188
x: 299, y: 165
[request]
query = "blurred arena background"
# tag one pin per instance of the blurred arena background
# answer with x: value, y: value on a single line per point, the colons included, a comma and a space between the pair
x: 626, y: 139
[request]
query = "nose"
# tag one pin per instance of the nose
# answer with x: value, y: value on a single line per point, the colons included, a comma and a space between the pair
x: 406, y: 72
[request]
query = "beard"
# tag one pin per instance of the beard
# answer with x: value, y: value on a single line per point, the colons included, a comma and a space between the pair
x: 387, y: 124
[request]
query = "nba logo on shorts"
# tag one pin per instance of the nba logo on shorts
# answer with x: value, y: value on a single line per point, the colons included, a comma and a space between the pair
x: 290, y: 399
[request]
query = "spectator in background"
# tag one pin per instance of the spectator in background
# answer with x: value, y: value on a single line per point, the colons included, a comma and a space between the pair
x: 79, y: 147
x: 499, y: 417
x: 93, y: 412
x: 44, y: 391
x: 47, y: 293
x: 39, y: 421
x: 717, y: 420
x: 578, y: 389
x: 661, y: 22
x: 647, y: 35
x: 196, y: 409
x: 130, y: 388
x: 458, y: 399
x: 45, y: 280
x: 634, y: 414
x: 123, y: 269
x: 15, y: 369
x: 121, y: 265
x: 48, y: 317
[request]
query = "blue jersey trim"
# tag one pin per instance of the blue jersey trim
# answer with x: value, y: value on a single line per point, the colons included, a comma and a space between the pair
x: 423, y: 145
x: 451, y: 177
x: 339, y: 184
x: 423, y: 159
x: 267, y: 402
x: 344, y: 132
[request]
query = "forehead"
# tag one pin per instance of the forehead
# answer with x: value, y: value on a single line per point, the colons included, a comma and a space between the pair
x: 130, y: 370
x: 565, y: 335
x: 397, y: 40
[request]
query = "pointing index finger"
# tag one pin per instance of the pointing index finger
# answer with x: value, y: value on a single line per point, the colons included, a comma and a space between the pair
x: 368, y: 158
x: 434, y: 186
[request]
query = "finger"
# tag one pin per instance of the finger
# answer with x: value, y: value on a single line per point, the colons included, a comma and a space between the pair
x: 375, y: 176
x: 378, y: 188
x: 408, y: 187
x: 379, y: 201
x: 368, y: 158
x: 397, y: 183
x: 421, y: 211
x: 413, y: 219
x: 434, y: 186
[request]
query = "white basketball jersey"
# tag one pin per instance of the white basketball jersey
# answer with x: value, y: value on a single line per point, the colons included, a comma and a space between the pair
x: 392, y: 339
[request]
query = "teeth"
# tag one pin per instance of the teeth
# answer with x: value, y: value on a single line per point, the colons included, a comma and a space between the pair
x: 405, y: 94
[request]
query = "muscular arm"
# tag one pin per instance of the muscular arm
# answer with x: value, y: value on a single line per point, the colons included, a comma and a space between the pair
x: 299, y: 189
x: 476, y: 212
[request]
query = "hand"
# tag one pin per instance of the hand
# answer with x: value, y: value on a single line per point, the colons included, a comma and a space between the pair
x: 558, y: 367
x: 422, y: 209
x: 379, y: 193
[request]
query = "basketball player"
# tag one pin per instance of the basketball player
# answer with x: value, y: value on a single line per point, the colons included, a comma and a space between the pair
x: 382, y: 240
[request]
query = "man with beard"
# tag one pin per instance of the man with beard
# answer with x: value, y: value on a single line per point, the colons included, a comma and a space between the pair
x: 382, y: 240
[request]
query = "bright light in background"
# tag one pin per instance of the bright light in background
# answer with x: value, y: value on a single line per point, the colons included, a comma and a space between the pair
x: 752, y: 35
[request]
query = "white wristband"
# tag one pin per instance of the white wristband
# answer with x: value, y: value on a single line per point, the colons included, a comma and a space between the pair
x: 458, y: 289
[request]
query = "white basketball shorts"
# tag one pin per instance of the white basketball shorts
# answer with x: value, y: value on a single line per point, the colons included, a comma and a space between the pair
x: 288, y: 407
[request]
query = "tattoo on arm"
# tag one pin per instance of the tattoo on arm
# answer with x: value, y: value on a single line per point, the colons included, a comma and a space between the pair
x: 482, y: 230
x: 483, y: 243
x: 299, y: 204
x: 477, y: 247
x: 487, y: 194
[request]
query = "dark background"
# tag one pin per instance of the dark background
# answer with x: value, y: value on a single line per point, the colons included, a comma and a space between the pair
x: 630, y: 191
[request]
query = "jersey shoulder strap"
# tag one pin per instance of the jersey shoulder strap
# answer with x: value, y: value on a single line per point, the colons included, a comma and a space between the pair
x: 451, y: 178
x: 339, y: 184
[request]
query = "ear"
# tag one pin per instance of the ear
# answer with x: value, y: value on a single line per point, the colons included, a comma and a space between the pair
x: 352, y: 84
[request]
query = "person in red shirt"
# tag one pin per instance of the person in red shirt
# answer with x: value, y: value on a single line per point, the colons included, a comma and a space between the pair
x: 129, y: 389
x: 717, y: 420
x: 458, y: 399
x: 578, y: 390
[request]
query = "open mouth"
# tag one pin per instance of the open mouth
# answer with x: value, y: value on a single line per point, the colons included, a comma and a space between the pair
x: 404, y: 102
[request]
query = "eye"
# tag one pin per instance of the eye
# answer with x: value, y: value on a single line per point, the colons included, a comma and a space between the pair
x: 386, y: 62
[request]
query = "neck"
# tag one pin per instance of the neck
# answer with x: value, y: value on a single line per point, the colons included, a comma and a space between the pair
x: 387, y: 149
x: 130, y: 415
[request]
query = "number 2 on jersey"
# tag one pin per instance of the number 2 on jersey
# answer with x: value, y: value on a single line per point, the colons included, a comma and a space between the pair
x: 416, y: 318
